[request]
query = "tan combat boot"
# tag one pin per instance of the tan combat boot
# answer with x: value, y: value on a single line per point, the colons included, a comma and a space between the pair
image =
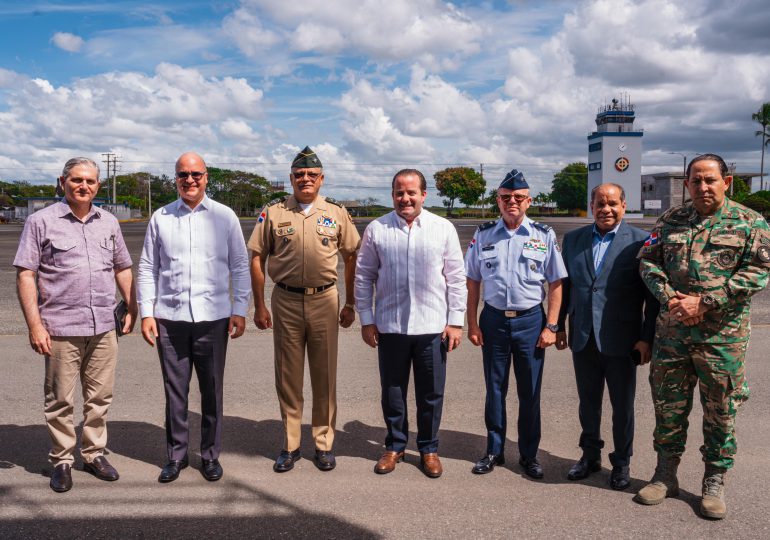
x: 713, y: 503
x: 663, y: 484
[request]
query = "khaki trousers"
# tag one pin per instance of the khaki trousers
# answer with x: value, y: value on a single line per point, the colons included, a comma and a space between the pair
x: 306, y: 321
x: 92, y: 359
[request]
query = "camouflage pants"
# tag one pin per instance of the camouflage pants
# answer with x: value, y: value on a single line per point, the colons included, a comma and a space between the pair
x: 718, y: 369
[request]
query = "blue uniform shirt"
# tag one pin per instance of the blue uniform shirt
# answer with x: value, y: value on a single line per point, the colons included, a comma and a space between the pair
x: 513, y: 266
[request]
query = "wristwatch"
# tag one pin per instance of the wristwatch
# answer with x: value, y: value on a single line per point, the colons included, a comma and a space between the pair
x: 709, y: 300
x: 552, y: 327
x: 350, y: 306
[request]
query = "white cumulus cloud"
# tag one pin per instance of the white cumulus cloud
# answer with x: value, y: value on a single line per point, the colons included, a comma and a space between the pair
x: 68, y: 42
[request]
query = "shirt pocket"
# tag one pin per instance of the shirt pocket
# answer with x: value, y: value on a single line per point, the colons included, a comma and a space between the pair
x: 66, y: 253
x: 107, y: 249
x: 327, y: 236
x: 535, y: 269
x: 489, y: 262
x: 725, y: 253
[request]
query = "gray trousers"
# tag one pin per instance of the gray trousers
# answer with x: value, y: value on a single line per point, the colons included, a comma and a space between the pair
x: 182, y: 346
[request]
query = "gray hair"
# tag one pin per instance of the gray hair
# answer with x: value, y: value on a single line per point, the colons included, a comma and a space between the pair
x: 74, y: 162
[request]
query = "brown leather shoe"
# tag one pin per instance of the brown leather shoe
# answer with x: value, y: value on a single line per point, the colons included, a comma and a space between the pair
x: 387, y: 462
x: 61, y: 478
x: 101, y: 469
x: 431, y: 465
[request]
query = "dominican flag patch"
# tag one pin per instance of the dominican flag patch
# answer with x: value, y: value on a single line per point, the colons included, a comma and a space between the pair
x: 262, y: 216
x: 472, y: 243
x: 651, y: 240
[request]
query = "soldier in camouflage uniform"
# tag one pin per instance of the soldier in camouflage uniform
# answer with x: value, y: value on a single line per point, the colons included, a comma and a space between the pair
x: 703, y: 261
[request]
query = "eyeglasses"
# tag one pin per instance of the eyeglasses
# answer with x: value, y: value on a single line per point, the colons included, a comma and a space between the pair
x: 517, y: 198
x: 196, y: 175
x: 301, y: 174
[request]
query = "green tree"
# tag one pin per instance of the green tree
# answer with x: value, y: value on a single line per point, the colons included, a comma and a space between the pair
x: 570, y: 187
x: 740, y: 190
x: 763, y: 117
x: 459, y: 183
x: 759, y: 201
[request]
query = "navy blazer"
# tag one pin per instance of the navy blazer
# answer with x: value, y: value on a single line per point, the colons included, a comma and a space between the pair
x: 615, y: 304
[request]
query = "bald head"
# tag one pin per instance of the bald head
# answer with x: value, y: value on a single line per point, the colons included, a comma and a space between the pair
x: 190, y: 157
x: 191, y: 178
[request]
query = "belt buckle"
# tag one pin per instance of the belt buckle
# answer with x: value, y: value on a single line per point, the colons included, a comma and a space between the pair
x: 310, y: 291
x: 510, y: 313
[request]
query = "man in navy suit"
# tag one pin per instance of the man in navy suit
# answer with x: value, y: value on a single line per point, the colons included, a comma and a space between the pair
x: 611, y: 328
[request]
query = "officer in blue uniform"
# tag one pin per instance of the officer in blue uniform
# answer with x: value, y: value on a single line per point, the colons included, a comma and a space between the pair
x: 513, y: 257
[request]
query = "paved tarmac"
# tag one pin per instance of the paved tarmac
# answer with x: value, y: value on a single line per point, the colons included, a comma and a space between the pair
x: 351, y: 501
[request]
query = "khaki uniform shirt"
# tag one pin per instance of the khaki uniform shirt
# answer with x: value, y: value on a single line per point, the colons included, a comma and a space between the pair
x: 303, y: 248
x: 725, y: 256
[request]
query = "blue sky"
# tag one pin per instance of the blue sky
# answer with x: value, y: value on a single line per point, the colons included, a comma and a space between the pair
x: 375, y: 85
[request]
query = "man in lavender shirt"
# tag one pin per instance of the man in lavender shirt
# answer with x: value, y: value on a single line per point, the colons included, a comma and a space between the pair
x: 71, y: 254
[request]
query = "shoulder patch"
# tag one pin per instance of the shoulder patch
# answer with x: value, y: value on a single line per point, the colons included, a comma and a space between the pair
x: 542, y: 226
x: 276, y: 201
x: 487, y: 225
x: 332, y: 201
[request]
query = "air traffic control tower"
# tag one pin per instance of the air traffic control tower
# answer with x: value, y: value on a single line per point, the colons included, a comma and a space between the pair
x: 615, y: 152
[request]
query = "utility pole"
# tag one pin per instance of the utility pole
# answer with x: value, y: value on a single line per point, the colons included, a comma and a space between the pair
x: 731, y: 168
x: 483, y: 202
x: 108, y: 160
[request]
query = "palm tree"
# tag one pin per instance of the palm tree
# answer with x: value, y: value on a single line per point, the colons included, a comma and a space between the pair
x: 763, y: 117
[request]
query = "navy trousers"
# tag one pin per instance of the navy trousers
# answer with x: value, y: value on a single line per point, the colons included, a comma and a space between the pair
x: 592, y: 369
x: 182, y: 346
x: 505, y: 339
x: 397, y: 354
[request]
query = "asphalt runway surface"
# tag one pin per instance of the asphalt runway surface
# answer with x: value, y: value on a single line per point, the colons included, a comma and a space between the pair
x: 351, y: 501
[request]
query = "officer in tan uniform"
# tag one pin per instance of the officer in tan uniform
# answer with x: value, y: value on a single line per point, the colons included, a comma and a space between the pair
x: 302, y: 235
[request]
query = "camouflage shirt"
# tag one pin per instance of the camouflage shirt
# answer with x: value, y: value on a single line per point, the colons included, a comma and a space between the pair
x: 725, y: 256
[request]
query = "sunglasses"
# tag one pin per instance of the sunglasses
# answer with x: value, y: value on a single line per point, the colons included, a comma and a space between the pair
x: 517, y: 198
x: 184, y: 175
x: 301, y: 174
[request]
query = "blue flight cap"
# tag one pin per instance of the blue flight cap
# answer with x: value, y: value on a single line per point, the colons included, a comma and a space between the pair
x: 514, y: 180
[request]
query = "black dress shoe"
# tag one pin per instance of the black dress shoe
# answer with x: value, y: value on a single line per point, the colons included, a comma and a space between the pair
x: 171, y: 470
x: 325, y: 461
x: 101, y: 469
x: 620, y: 478
x: 211, y: 469
x: 531, y: 467
x: 285, y: 461
x: 487, y: 463
x: 583, y: 468
x: 61, y: 478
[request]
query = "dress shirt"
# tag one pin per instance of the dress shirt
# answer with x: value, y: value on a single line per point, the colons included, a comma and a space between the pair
x: 600, y: 244
x: 186, y: 260
x: 514, y: 265
x: 417, y: 272
x: 75, y: 262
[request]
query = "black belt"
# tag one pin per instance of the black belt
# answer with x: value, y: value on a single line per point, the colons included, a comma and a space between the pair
x: 305, y: 290
x: 511, y: 313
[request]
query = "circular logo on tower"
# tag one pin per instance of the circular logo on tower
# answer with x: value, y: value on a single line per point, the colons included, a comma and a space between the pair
x: 621, y: 164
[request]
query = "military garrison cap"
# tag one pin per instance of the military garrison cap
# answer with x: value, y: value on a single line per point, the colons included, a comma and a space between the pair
x: 514, y: 180
x: 306, y: 159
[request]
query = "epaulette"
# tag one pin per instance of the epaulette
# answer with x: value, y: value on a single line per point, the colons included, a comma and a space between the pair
x: 332, y: 201
x: 677, y: 215
x: 542, y: 226
x: 276, y: 201
x: 487, y: 225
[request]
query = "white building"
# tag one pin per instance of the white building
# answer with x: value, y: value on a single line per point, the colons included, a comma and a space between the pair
x: 615, y: 152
